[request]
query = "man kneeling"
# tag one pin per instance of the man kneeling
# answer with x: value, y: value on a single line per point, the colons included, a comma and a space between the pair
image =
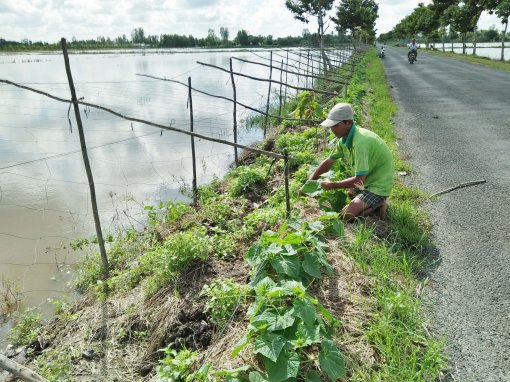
x: 371, y: 161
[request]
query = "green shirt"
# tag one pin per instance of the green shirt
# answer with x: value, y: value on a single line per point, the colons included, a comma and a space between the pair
x: 368, y: 155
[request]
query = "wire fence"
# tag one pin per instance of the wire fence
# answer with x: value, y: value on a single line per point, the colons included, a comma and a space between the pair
x: 168, y: 148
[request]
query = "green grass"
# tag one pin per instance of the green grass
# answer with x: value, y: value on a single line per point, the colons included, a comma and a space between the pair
x: 397, y: 329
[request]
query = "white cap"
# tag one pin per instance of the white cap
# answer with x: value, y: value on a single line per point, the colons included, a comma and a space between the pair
x: 340, y: 112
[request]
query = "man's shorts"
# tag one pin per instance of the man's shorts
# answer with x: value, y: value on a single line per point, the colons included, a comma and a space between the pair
x: 369, y: 198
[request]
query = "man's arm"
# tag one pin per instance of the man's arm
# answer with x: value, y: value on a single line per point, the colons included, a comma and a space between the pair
x: 354, y: 181
x: 323, y: 167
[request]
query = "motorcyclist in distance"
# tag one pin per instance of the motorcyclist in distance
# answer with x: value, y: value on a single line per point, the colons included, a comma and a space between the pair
x: 413, y: 47
x: 381, y: 53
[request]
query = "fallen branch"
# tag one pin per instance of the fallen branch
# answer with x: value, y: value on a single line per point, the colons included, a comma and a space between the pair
x: 467, y: 184
x: 20, y: 371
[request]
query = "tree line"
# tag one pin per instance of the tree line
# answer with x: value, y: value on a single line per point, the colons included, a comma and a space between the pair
x: 140, y: 39
x: 451, y: 20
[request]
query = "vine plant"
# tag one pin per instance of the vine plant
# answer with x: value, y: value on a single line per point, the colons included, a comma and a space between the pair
x: 290, y: 330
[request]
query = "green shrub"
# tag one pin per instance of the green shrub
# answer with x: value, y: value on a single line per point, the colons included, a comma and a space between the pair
x: 165, y: 262
x: 177, y: 366
x: 55, y: 365
x: 224, y: 296
x: 26, y: 329
x: 247, y: 178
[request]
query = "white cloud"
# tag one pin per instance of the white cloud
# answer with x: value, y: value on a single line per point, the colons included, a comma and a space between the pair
x: 41, y: 20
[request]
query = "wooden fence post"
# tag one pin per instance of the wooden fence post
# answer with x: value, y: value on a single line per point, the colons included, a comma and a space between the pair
x: 234, y: 112
x: 286, y: 74
x: 90, y: 178
x: 281, y: 84
x: 268, y: 92
x: 194, y: 181
x: 287, y: 194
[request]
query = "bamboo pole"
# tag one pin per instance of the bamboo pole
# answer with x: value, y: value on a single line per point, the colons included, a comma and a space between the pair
x: 268, y: 92
x: 99, y: 233
x: 20, y: 371
x: 286, y: 81
x: 280, y: 93
x: 287, y: 193
x: 194, y: 159
x: 307, y: 67
x: 236, y: 159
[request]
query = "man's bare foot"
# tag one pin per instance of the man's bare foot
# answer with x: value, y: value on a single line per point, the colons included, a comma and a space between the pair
x: 381, y: 211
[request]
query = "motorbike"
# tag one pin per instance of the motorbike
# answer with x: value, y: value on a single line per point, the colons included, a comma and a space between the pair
x: 381, y: 54
x: 412, y: 56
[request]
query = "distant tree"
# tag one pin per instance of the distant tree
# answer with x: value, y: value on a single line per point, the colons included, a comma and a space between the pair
x: 224, y: 35
x: 138, y: 36
x: 304, y: 9
x: 212, y: 39
x: 465, y: 18
x: 242, y: 38
x: 358, y: 17
x: 121, y: 40
x: 491, y: 34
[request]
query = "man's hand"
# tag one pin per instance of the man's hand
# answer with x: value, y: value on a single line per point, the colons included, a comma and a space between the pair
x: 327, y: 184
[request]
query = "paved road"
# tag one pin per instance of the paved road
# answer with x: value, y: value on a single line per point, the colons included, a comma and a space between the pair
x: 454, y: 121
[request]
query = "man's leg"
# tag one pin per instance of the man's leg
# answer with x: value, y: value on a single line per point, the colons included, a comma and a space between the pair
x: 355, y: 208
x: 358, y: 207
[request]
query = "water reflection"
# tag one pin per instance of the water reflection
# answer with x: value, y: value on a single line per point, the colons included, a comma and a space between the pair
x: 44, y: 200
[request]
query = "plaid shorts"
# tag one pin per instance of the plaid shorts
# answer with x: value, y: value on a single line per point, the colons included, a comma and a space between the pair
x: 369, y: 198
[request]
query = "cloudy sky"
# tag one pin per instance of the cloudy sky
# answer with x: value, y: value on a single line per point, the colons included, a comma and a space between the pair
x: 49, y: 20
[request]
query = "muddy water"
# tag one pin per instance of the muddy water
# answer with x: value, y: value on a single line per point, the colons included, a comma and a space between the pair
x: 44, y: 195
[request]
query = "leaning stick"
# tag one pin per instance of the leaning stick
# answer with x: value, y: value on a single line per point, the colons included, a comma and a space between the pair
x: 467, y: 184
x: 20, y: 371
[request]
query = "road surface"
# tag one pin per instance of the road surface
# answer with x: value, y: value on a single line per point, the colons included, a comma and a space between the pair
x: 454, y: 122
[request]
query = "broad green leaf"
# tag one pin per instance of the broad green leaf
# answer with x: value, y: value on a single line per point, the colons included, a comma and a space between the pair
x: 285, y: 367
x: 338, y: 199
x: 259, y: 276
x: 269, y: 345
x: 305, y: 310
x: 326, y: 314
x: 328, y: 216
x: 275, y: 292
x: 241, y: 344
x: 313, y: 376
x: 290, y: 250
x: 316, y: 226
x: 276, y: 320
x: 291, y: 238
x: 338, y: 227
x: 274, y: 248
x: 255, y: 376
x: 287, y: 265
x: 307, y: 334
x: 293, y: 288
x: 253, y: 253
x: 325, y: 203
x: 312, y: 188
x: 331, y: 360
x: 265, y: 285
x: 312, y: 265
x: 224, y: 373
